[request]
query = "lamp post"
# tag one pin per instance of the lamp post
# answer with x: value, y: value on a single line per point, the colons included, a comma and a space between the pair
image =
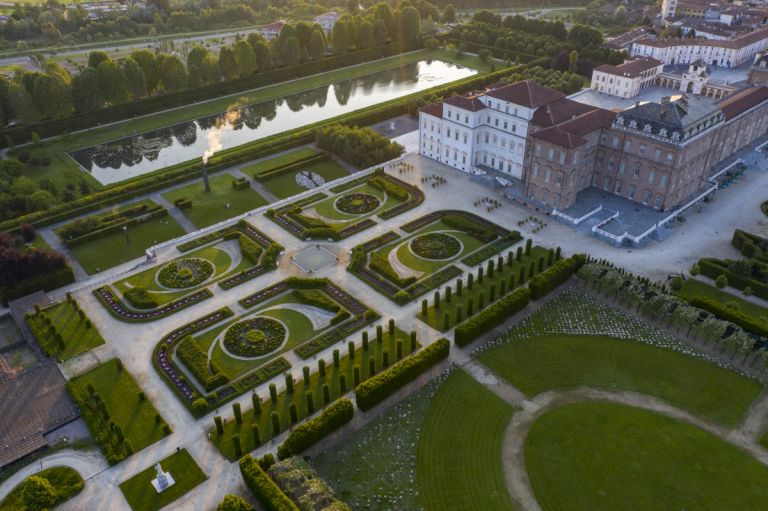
x: 125, y: 230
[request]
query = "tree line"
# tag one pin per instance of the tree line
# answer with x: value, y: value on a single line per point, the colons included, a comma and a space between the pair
x: 54, y: 92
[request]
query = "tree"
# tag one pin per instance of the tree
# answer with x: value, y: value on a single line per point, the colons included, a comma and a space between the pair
x: 38, y: 493
x: 245, y: 58
x: 383, y: 12
x: 411, y: 23
x: 173, y: 76
x: 340, y: 38
x: 721, y: 281
x: 51, y: 96
x: 365, y: 35
x: 573, y: 59
x: 449, y: 14
x: 584, y: 36
x: 95, y: 58
x: 263, y: 55
x: 136, y: 83
x: 620, y: 15
x: 234, y: 503
x: 209, y: 69
x: 113, y: 82
x: 148, y: 63
x: 290, y: 51
x: 227, y: 63
x: 86, y: 91
x: 484, y: 55
x: 380, y: 33
x: 316, y: 45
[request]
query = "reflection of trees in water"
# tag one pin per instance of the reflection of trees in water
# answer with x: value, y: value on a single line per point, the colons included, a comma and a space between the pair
x: 131, y: 151
x: 250, y: 117
x: 208, y: 122
x: 185, y: 133
x: 295, y: 102
x: 342, y: 91
x: 408, y: 73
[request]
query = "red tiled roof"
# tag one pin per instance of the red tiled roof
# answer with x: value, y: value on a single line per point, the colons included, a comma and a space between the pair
x: 526, y: 93
x: 630, y: 68
x: 559, y: 111
x: 742, y: 101
x: 435, y: 109
x: 472, y: 104
x: 570, y: 134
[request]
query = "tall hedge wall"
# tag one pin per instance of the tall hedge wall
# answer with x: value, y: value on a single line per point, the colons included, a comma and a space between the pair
x: 269, y: 494
x: 309, y: 433
x: 748, y: 323
x: 375, y: 390
x: 544, y: 282
x: 492, y: 316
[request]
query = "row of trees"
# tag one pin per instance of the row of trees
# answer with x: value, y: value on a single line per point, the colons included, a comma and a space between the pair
x: 17, y: 263
x: 361, y: 147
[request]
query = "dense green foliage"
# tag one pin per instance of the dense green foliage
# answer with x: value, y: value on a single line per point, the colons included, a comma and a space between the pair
x: 195, y: 359
x: 492, y: 316
x: 542, y: 283
x: 375, y: 390
x: 26, y: 270
x: 721, y: 310
x: 269, y: 494
x: 361, y: 147
x: 43, y: 490
x: 312, y: 431
x: 304, y: 486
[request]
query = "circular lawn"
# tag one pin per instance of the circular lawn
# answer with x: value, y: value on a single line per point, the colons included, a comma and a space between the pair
x: 357, y: 203
x: 435, y: 246
x: 185, y: 273
x: 255, y: 337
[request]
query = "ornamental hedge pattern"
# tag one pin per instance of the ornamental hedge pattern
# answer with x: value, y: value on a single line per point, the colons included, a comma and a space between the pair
x: 185, y: 273
x: 357, y: 203
x: 312, y: 431
x: 376, y: 389
x: 435, y: 245
x: 255, y: 337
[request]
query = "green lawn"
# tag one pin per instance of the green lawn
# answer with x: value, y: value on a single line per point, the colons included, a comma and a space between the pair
x: 75, y: 332
x: 435, y: 317
x: 604, y: 456
x: 120, y: 393
x: 285, y: 185
x: 538, y: 364
x: 211, y: 207
x: 141, y: 495
x: 65, y: 480
x: 459, y: 454
x: 276, y: 162
x: 147, y: 279
x: 148, y: 203
x: 316, y: 382
x: 326, y: 208
x: 112, y: 249
x: 692, y: 288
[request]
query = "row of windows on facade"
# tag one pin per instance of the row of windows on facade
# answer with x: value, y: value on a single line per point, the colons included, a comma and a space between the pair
x: 647, y: 128
x: 635, y: 172
x: 487, y: 137
x: 631, y: 193
x: 495, y: 121
x: 491, y: 160
x: 629, y: 145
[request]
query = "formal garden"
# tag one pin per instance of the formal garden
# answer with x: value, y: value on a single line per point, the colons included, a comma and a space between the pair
x: 228, y: 197
x: 295, y: 318
x: 104, y: 240
x: 44, y: 490
x: 349, y: 208
x: 118, y: 413
x: 186, y: 473
x: 63, y: 330
x: 404, y: 268
x: 228, y: 257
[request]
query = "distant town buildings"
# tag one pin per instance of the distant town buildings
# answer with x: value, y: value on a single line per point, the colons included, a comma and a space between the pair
x: 327, y: 20
x: 271, y: 30
x: 758, y: 72
x: 628, y: 79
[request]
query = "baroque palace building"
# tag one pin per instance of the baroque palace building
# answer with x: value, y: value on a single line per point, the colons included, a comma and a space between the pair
x: 657, y: 154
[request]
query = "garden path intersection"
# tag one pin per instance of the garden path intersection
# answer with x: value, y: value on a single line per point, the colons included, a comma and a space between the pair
x: 134, y: 342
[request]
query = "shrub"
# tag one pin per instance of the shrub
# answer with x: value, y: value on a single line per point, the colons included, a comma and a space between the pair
x: 374, y: 390
x: 733, y: 314
x: 544, y: 282
x: 316, y: 298
x: 721, y: 281
x: 250, y: 249
x: 268, y: 493
x: 196, y: 360
x: 361, y: 147
x: 140, y: 298
x: 307, y: 434
x: 492, y: 316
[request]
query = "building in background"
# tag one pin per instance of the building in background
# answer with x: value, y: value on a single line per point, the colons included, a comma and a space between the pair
x: 626, y: 80
x: 327, y: 20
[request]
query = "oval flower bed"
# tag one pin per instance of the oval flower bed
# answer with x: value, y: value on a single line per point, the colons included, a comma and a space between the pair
x: 254, y: 337
x: 435, y: 245
x: 357, y: 203
x: 185, y: 273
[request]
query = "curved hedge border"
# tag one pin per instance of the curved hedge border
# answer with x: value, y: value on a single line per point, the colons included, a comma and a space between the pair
x: 492, y: 316
x: 307, y: 434
x: 376, y: 389
x: 269, y: 494
x: 121, y: 311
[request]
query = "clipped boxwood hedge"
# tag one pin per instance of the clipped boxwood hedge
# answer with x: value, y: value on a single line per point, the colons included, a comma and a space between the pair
x: 492, y: 316
x: 196, y: 360
x: 376, y: 389
x: 544, y: 282
x: 270, y: 496
x: 307, y: 434
x: 722, y: 311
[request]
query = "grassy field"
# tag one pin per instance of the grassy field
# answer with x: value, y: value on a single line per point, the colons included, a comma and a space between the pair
x: 221, y: 203
x: 285, y: 185
x: 539, y: 364
x: 459, y: 452
x: 316, y: 382
x: 77, y: 335
x: 269, y: 164
x: 692, y: 288
x: 64, y: 169
x: 435, y: 317
x: 120, y: 394
x: 605, y: 456
x: 65, y: 480
x: 138, y: 489
x: 112, y: 250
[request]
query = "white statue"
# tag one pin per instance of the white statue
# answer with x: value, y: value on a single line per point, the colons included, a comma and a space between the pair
x: 163, y: 479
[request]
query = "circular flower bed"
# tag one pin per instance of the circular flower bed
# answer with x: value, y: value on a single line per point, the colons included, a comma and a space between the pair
x: 254, y: 337
x: 357, y: 203
x: 185, y: 273
x: 435, y: 245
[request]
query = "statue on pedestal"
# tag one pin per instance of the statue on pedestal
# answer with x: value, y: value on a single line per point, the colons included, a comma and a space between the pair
x: 163, y: 480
